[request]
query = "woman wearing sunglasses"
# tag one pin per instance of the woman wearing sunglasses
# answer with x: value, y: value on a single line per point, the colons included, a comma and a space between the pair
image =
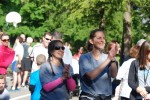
x: 6, y: 54
x: 55, y: 76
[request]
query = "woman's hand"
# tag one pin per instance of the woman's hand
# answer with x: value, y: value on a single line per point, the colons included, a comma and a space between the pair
x: 19, y: 65
x: 66, y: 72
x: 142, y: 91
x: 112, y: 53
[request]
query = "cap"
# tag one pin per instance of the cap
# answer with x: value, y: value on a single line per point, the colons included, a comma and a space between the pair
x: 140, y: 42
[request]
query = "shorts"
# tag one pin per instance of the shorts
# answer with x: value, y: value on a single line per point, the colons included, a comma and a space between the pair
x: 14, y: 67
x: 26, y: 64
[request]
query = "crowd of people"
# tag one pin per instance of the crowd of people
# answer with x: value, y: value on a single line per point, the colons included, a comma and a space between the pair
x: 52, y: 72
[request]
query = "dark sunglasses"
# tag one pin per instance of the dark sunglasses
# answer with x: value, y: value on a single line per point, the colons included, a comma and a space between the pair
x: 48, y: 39
x: 59, y: 47
x: 4, y: 40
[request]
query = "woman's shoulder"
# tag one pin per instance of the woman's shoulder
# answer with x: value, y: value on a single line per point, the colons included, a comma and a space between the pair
x: 86, y: 55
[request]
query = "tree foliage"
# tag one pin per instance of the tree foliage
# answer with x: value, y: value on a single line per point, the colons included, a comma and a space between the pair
x: 76, y: 18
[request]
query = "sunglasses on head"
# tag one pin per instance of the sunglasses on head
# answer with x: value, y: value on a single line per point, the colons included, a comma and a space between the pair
x: 59, y: 47
x: 48, y: 39
x: 4, y: 40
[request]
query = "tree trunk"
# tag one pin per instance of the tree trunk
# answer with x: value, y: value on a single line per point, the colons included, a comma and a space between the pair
x: 101, y: 22
x: 126, y: 36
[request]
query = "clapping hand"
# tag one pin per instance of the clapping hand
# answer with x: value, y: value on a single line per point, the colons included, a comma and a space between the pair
x: 112, y: 53
x: 66, y: 72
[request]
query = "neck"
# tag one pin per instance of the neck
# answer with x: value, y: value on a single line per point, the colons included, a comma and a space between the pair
x: 56, y: 61
x: 96, y: 54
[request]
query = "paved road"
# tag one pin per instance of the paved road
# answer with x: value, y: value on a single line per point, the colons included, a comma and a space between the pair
x: 23, y: 93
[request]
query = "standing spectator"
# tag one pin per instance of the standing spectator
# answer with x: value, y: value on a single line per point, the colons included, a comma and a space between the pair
x: 36, y: 41
x: 23, y: 36
x: 40, y: 48
x: 94, y: 70
x: 55, y: 76
x: 16, y: 65
x: 67, y: 58
x: 35, y: 84
x: 6, y: 54
x: 123, y: 73
x: 139, y: 43
x: 4, y: 95
x: 139, y: 74
x: 75, y: 64
x: 78, y: 53
x: 26, y: 63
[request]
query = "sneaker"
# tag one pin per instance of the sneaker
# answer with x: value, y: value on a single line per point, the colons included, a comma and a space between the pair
x: 18, y: 88
x: 13, y: 88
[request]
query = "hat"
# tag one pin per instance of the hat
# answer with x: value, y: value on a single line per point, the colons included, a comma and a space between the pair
x: 140, y: 42
x: 29, y: 40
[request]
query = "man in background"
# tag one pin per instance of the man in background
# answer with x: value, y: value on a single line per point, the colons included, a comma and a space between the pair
x: 40, y: 48
x: 4, y: 95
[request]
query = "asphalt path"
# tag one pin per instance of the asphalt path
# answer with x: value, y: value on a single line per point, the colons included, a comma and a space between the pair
x: 23, y: 93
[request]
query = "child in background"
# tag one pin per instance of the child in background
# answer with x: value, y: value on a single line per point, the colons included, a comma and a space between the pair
x: 35, y: 84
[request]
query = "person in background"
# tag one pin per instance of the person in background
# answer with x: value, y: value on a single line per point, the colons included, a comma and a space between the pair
x: 40, y: 48
x: 16, y: 65
x: 55, y: 76
x: 139, y: 43
x: 123, y: 73
x: 26, y: 63
x: 4, y: 95
x: 75, y: 64
x: 23, y: 36
x: 139, y: 74
x: 67, y: 58
x: 78, y: 53
x: 35, y: 84
x: 36, y: 41
x: 6, y: 54
x: 94, y: 70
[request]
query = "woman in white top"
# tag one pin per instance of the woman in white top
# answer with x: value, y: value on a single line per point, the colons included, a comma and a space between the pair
x: 123, y: 74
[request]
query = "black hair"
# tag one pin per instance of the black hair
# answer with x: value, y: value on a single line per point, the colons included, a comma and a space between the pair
x: 51, y: 48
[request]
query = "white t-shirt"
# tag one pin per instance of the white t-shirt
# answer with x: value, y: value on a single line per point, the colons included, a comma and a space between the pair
x: 38, y: 49
x: 123, y: 75
x: 75, y: 66
x: 18, y: 48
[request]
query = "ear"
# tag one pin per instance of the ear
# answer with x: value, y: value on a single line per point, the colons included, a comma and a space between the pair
x: 90, y: 40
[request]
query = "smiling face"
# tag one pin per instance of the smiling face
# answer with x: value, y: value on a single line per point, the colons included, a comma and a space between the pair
x: 46, y: 40
x: 58, y: 50
x: 98, y: 41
